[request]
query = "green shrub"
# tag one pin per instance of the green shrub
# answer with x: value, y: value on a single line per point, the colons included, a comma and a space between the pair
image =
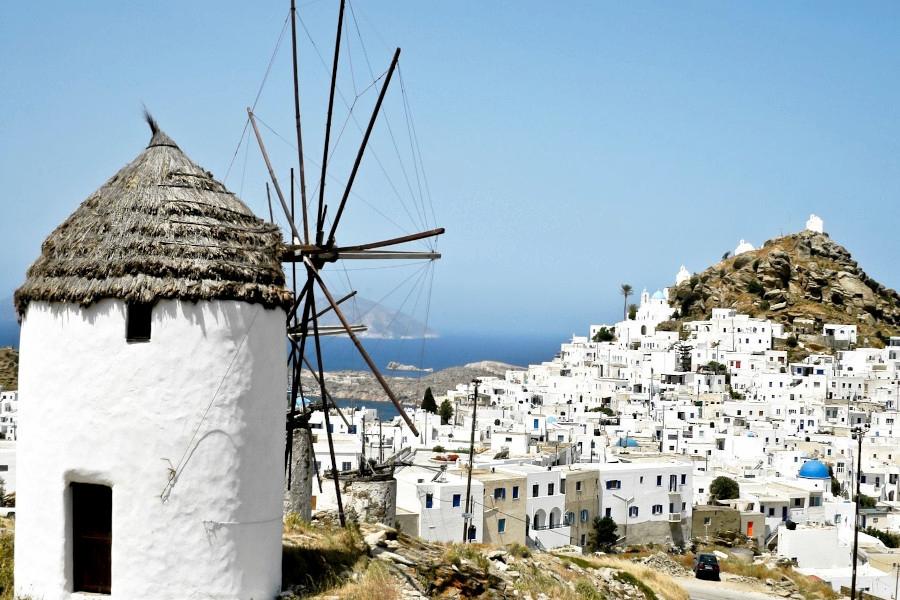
x: 604, y: 334
x: 867, y: 501
x: 891, y: 540
x: 755, y: 287
x: 587, y: 590
x: 630, y: 579
x: 741, y: 261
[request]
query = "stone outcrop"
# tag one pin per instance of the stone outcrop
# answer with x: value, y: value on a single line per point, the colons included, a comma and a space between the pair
x: 327, y: 563
x: 804, y: 275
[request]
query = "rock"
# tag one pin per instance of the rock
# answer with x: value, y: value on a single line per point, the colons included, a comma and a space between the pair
x: 663, y: 563
x: 382, y: 554
x: 375, y: 538
x: 499, y: 555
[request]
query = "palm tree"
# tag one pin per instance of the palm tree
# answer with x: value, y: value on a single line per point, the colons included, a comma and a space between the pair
x: 626, y: 291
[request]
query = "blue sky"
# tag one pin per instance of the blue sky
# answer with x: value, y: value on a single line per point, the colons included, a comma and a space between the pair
x: 568, y: 147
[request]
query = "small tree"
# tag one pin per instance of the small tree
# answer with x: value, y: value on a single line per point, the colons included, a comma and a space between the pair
x: 604, y: 335
x: 835, y: 484
x: 867, y: 501
x: 724, y: 488
x: 446, y: 411
x: 603, y: 535
x: 632, y: 311
x: 428, y: 402
x: 717, y: 368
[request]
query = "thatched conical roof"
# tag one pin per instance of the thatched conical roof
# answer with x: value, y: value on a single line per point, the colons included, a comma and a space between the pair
x: 162, y: 227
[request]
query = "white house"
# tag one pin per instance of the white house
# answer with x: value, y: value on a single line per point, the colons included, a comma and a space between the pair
x: 151, y: 379
x: 545, y: 506
x: 439, y: 498
x: 650, y: 500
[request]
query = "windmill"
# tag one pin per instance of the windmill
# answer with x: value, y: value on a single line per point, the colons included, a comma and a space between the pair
x: 313, y: 248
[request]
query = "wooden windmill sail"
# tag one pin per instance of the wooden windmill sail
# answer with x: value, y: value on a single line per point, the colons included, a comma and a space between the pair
x: 313, y: 248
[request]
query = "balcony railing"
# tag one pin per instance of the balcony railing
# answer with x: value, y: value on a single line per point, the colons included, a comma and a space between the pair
x: 675, y: 517
x: 564, y: 523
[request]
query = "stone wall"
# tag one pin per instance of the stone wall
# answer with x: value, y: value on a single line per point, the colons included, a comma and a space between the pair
x: 298, y: 499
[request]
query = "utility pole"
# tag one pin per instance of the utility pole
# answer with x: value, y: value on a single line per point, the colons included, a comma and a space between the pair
x: 858, y: 434
x: 896, y: 579
x: 363, y: 432
x: 380, y: 443
x: 466, y: 514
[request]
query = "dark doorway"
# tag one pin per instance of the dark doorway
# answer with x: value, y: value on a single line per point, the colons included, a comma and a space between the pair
x: 92, y: 538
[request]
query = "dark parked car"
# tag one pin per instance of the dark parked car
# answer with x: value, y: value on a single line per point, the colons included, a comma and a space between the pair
x: 706, y: 566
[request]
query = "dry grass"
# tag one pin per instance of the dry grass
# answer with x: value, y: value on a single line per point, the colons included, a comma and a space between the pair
x: 6, y: 565
x: 375, y: 582
x: 456, y: 553
x: 535, y: 581
x: 810, y: 587
x: 652, y: 583
x: 664, y: 586
x: 316, y: 556
x: 9, y: 369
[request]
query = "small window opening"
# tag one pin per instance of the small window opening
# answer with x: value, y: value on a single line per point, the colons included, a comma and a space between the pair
x: 92, y: 538
x: 138, y: 322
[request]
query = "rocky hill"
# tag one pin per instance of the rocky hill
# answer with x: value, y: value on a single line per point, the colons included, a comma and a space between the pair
x: 9, y: 369
x: 374, y: 561
x: 801, y: 275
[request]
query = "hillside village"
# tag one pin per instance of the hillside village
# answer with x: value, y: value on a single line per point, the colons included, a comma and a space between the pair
x: 636, y: 419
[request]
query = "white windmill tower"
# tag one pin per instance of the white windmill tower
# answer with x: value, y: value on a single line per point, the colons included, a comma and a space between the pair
x: 151, y: 378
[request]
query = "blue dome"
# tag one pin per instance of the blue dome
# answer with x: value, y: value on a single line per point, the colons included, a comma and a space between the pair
x: 658, y: 295
x: 627, y: 442
x: 814, y: 469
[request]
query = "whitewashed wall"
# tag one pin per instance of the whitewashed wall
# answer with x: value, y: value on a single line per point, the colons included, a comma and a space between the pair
x: 97, y: 409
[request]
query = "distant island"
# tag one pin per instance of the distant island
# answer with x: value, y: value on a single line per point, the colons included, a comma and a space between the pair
x: 362, y: 385
x: 395, y: 366
x: 381, y: 322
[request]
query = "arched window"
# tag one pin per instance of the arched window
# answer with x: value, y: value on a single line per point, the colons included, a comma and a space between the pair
x: 585, y: 516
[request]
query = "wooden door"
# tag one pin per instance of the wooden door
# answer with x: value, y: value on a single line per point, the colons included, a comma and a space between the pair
x: 92, y: 538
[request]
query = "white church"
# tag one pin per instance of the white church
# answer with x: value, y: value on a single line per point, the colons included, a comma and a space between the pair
x: 151, y: 429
